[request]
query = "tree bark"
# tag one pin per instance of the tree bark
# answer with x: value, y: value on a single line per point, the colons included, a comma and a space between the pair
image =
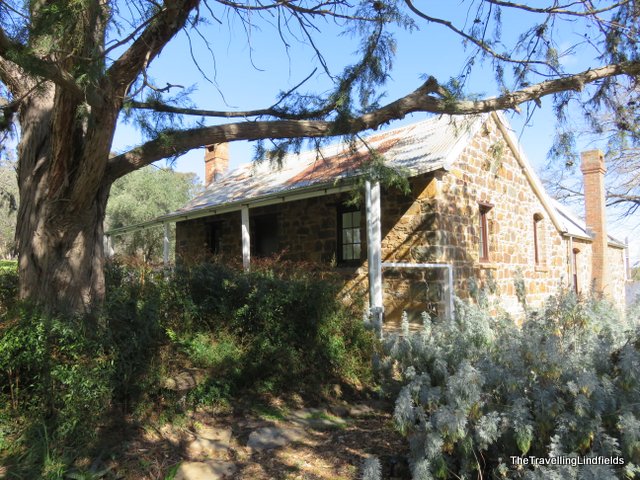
x: 67, y: 129
x: 60, y: 232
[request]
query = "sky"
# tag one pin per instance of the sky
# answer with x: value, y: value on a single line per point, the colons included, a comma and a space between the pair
x: 251, y: 66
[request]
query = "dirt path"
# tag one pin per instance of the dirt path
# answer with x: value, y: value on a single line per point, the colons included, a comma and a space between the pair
x: 272, y: 443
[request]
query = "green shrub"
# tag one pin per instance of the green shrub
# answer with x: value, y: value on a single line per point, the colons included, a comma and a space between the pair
x: 65, y: 380
x: 479, y: 391
x: 55, y: 383
x: 289, y: 332
x: 135, y: 333
x: 219, y: 353
x: 264, y: 330
x: 8, y: 286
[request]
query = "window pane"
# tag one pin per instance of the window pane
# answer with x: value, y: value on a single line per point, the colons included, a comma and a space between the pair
x: 346, y: 220
x: 356, y: 251
x: 356, y: 219
x: 348, y: 236
x: 346, y: 252
x: 356, y: 235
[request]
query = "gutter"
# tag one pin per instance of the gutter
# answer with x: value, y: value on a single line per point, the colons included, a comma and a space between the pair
x: 265, y: 200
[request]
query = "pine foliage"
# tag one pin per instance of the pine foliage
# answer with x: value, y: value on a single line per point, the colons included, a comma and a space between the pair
x: 479, y: 391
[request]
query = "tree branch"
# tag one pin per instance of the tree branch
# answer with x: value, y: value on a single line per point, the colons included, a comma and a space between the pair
x: 164, y: 108
x: 271, y: 111
x: 11, y: 75
x: 169, y: 21
x: 429, y: 97
x: 289, y: 4
x: 129, y: 37
x: 482, y: 45
x: 16, y: 54
x: 558, y: 9
x: 617, y: 198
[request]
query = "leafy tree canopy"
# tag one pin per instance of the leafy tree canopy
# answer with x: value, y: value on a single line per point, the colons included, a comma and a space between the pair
x: 146, y: 194
x: 48, y: 42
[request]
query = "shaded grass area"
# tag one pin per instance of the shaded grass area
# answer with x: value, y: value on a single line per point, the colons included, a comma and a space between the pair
x: 74, y: 389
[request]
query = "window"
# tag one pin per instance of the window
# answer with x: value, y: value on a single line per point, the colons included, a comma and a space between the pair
x: 265, y: 235
x: 214, y: 237
x: 484, y: 209
x: 349, y: 236
x: 537, y: 253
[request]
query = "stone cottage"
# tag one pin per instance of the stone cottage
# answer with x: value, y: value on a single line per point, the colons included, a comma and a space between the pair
x: 476, y: 216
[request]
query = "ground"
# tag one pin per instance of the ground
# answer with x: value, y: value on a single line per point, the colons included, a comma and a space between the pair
x: 325, y: 442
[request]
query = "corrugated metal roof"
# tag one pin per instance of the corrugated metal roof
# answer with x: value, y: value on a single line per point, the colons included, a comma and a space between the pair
x: 414, y: 149
x: 572, y: 224
x: 575, y: 226
x: 417, y: 148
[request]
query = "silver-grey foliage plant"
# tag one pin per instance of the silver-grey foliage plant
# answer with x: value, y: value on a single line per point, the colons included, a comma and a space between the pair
x: 371, y: 469
x: 483, y: 397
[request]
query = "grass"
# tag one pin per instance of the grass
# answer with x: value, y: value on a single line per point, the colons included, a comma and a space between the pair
x: 270, y: 413
x: 171, y: 474
x: 8, y: 265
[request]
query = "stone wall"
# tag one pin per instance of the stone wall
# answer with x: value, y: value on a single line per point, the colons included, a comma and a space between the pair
x: 583, y: 264
x: 192, y: 239
x: 443, y: 226
x: 307, y: 233
x: 438, y: 222
x: 615, y: 259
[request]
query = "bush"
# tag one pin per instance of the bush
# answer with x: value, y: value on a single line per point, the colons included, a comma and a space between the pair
x: 268, y: 330
x: 8, y: 285
x: 65, y: 380
x: 479, y: 393
x: 284, y: 333
x: 56, y: 385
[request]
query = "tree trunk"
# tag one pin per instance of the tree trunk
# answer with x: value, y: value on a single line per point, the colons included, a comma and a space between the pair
x: 59, y: 235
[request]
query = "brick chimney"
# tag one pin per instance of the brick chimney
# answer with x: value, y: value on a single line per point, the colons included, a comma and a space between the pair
x: 593, y: 170
x: 216, y: 162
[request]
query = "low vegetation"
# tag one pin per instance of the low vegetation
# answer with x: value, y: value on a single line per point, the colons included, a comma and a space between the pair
x: 66, y: 383
x: 481, y: 397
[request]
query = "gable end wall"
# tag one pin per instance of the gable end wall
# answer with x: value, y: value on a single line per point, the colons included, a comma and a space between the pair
x: 487, y: 172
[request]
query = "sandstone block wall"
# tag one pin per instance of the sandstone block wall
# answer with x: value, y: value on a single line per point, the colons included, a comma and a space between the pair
x: 583, y: 264
x: 192, y: 238
x: 439, y: 222
x: 487, y: 171
x: 307, y: 232
x: 442, y: 225
x: 615, y: 259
